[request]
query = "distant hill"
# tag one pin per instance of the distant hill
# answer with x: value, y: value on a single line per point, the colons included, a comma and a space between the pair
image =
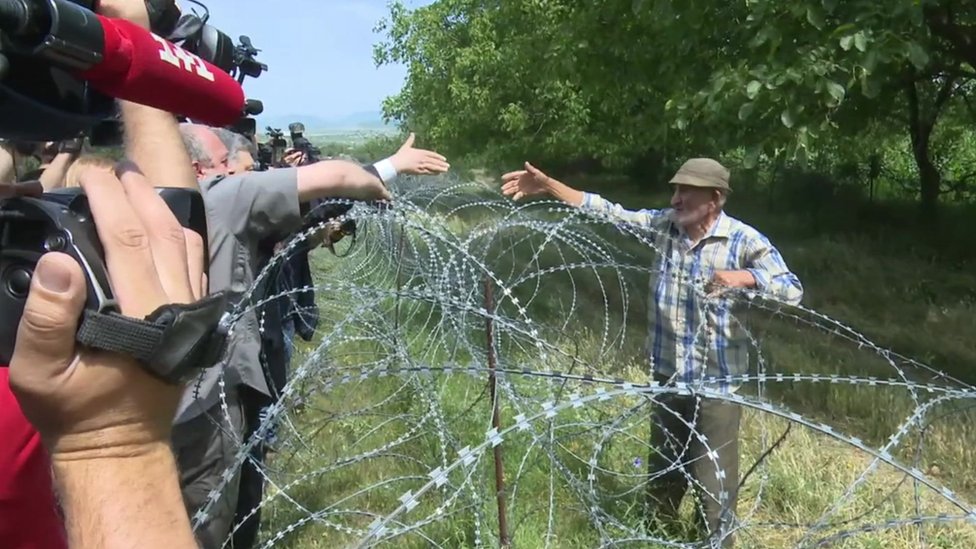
x: 367, y: 120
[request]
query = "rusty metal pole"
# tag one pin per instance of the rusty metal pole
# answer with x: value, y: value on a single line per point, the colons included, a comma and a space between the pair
x: 496, y: 421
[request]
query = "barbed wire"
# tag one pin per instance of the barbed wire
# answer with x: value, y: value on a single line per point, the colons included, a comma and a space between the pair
x: 388, y: 433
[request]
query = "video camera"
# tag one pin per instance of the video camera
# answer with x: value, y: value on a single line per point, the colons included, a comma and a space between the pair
x: 271, y: 152
x: 300, y: 143
x: 44, y: 45
x: 194, y: 34
x: 60, y: 221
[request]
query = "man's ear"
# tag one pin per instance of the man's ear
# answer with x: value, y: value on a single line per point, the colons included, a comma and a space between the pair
x: 197, y: 168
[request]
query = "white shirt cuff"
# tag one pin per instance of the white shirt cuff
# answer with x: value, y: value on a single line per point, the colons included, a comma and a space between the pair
x: 386, y: 170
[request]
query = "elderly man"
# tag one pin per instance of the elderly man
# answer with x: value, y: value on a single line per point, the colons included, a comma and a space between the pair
x: 692, y: 337
x: 243, y: 212
x: 241, y: 151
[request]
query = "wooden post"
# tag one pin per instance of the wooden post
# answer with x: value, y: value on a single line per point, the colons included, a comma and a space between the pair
x: 495, y: 418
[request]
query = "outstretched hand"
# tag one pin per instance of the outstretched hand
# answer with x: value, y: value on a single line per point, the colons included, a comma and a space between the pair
x: 528, y: 182
x: 409, y: 160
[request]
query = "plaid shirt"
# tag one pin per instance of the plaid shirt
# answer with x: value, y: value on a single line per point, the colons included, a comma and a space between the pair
x: 692, y: 336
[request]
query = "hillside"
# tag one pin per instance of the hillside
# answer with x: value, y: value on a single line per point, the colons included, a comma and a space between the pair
x: 315, y: 125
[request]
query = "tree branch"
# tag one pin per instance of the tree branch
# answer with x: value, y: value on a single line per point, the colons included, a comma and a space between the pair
x: 961, y: 39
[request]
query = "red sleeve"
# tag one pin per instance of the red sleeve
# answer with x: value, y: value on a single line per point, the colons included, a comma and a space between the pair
x: 29, y: 514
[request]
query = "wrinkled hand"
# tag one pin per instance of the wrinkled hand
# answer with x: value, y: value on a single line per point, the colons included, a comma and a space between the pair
x: 724, y: 281
x: 88, y: 403
x: 409, y: 160
x: 523, y: 183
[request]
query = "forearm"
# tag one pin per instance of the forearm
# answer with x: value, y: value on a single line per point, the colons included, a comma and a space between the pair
x: 53, y: 176
x: 132, y: 501
x: 743, y: 279
x: 561, y: 191
x: 784, y: 286
x: 332, y: 179
x: 153, y: 142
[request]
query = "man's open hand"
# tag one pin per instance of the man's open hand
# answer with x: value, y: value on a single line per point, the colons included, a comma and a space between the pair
x: 524, y: 183
x: 409, y: 160
x: 92, y: 404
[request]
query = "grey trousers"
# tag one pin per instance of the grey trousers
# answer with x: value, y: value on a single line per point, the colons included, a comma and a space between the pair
x: 204, y: 448
x: 680, y: 451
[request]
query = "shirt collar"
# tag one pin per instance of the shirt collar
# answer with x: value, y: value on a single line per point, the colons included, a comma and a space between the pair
x: 722, y: 228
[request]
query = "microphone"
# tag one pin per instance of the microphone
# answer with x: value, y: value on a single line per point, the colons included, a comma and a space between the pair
x: 121, y: 59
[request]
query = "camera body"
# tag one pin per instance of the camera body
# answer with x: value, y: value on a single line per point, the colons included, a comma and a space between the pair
x: 61, y: 221
x: 270, y: 153
x: 300, y: 143
x: 312, y: 153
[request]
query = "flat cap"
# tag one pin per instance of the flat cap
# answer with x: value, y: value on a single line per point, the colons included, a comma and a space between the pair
x: 702, y: 172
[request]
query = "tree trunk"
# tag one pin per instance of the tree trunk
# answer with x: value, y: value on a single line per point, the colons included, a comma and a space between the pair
x: 920, y: 129
x: 930, y: 180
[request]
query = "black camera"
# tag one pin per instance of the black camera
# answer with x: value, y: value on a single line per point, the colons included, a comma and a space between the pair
x: 270, y: 152
x: 61, y: 221
x: 300, y: 143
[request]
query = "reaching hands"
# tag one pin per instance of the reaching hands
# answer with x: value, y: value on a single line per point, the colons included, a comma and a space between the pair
x: 524, y: 183
x: 89, y: 404
x: 409, y: 160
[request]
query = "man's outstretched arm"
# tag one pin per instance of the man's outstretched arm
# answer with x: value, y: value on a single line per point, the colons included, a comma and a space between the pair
x: 533, y: 182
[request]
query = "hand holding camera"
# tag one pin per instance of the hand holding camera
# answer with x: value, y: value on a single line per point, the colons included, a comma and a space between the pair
x: 90, y: 403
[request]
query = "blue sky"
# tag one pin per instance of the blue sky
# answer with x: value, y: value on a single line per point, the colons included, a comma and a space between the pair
x: 319, y: 53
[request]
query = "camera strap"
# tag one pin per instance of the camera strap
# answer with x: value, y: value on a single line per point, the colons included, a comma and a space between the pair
x: 172, y: 343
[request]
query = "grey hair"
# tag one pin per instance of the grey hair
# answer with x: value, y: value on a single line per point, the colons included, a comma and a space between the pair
x: 235, y: 142
x: 723, y: 196
x: 193, y: 146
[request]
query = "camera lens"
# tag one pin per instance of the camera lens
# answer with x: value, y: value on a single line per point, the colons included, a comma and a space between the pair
x: 18, y: 282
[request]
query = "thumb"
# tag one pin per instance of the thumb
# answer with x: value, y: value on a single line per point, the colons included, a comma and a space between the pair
x: 409, y: 142
x: 46, y: 336
x: 533, y: 170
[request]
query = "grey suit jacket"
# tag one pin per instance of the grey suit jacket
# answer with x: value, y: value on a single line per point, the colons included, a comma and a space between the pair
x: 242, y: 210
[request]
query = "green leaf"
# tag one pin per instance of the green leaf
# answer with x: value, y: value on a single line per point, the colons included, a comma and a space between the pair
x: 787, y: 118
x: 836, y: 91
x: 844, y: 29
x: 917, y: 55
x: 751, y: 157
x: 846, y: 42
x: 861, y: 41
x: 752, y: 89
x: 871, y: 60
x: 815, y: 17
x: 869, y: 86
x: 746, y: 109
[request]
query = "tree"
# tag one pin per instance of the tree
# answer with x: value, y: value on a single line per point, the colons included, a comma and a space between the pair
x: 621, y: 78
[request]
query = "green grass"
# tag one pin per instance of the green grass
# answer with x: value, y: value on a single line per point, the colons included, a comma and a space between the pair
x: 880, y: 279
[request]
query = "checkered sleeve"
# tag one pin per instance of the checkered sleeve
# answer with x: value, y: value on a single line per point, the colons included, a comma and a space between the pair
x: 773, y: 276
x: 597, y: 204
